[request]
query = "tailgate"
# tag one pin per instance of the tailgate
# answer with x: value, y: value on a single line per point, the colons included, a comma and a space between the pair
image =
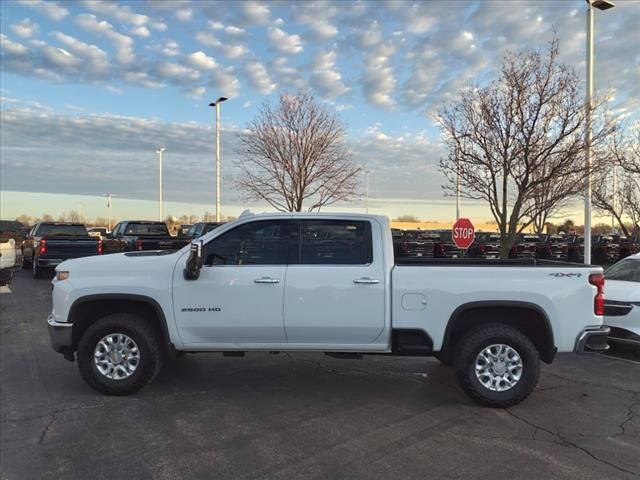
x: 160, y: 243
x: 70, y: 247
x: 419, y: 248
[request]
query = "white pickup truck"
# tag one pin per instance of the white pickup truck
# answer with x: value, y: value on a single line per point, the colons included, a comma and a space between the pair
x: 324, y: 283
x: 7, y: 260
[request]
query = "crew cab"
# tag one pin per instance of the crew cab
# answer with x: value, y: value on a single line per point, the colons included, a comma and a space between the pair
x: 142, y: 235
x: 323, y: 283
x: 51, y: 243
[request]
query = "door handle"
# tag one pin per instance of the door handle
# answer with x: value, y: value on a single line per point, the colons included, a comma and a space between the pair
x: 267, y: 280
x: 366, y: 281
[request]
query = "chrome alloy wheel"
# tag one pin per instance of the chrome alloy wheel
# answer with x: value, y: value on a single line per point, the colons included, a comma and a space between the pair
x: 116, y: 356
x: 498, y: 367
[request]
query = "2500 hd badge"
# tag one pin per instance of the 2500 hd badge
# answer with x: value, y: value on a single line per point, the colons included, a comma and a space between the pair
x: 202, y: 309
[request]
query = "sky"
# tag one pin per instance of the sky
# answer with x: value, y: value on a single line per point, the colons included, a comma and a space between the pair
x: 91, y: 89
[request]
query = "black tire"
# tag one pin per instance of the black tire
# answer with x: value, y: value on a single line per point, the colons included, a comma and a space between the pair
x: 36, y: 271
x: 141, y: 332
x: 26, y: 264
x: 443, y: 358
x: 470, y: 347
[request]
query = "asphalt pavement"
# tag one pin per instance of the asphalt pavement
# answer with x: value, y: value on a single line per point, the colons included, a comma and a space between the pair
x: 302, y: 416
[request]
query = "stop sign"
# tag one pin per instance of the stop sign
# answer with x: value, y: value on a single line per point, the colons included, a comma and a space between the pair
x: 463, y: 233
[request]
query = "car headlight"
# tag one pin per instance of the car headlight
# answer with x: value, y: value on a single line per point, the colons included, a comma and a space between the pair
x: 62, y: 275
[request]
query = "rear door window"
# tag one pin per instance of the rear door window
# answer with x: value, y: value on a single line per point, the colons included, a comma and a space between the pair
x: 334, y: 242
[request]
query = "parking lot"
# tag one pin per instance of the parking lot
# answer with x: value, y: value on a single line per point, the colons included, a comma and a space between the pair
x: 303, y: 416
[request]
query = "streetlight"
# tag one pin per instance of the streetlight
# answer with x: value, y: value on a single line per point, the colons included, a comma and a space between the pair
x: 108, y: 195
x: 216, y: 104
x: 366, y: 198
x: 600, y: 5
x: 159, y: 152
x: 457, y: 150
x: 458, y: 169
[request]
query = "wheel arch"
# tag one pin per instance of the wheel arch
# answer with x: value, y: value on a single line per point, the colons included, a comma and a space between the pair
x: 86, y: 310
x: 524, y: 316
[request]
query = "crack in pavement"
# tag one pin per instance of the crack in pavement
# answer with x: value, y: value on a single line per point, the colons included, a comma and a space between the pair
x: 568, y: 443
x: 591, y: 384
x: 48, y: 426
x: 630, y: 415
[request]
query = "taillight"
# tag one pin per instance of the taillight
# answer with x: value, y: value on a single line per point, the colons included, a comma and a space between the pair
x: 138, y: 244
x: 100, y: 247
x: 43, y: 246
x: 404, y: 247
x: 549, y: 249
x: 597, y: 279
x: 481, y: 249
x: 440, y: 249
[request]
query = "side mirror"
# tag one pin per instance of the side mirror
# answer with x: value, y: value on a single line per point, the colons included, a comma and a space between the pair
x: 194, y: 262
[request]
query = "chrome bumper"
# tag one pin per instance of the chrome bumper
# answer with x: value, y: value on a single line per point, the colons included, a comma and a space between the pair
x: 60, y: 335
x: 592, y: 340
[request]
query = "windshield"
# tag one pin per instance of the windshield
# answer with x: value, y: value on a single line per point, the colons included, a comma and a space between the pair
x: 627, y: 270
x: 61, y: 230
x: 158, y: 229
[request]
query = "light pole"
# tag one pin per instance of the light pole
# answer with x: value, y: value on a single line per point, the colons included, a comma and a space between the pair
x: 613, y: 199
x: 109, y: 196
x: 216, y: 104
x: 457, y: 183
x: 109, y: 212
x: 600, y: 5
x: 366, y: 198
x: 159, y: 152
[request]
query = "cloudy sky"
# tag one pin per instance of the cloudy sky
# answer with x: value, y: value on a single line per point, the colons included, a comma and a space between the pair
x: 90, y: 89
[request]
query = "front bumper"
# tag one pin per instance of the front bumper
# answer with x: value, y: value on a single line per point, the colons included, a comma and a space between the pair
x: 60, y: 335
x: 592, y: 340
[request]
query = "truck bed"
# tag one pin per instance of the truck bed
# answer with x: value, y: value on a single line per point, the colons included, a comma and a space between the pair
x: 478, y: 262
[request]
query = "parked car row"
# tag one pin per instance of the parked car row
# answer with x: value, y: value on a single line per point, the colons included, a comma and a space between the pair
x: 605, y: 249
x: 48, y: 244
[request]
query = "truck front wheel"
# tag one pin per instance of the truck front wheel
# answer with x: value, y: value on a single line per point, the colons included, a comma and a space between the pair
x: 497, y: 365
x: 119, y: 354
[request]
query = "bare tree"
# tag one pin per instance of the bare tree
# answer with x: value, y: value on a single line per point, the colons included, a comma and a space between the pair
x: 407, y: 219
x: 24, y: 219
x: 609, y: 201
x: 631, y: 199
x: 74, y: 216
x: 621, y: 201
x: 520, y: 141
x: 626, y: 149
x: 294, y: 156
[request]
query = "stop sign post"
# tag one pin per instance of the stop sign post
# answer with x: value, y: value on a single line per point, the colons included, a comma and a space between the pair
x: 463, y: 233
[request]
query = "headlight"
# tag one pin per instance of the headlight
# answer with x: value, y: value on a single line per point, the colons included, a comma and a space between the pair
x: 62, y: 275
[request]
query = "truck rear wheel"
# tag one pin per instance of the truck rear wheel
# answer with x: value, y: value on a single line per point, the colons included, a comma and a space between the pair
x: 35, y: 269
x: 119, y: 354
x: 497, y: 365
